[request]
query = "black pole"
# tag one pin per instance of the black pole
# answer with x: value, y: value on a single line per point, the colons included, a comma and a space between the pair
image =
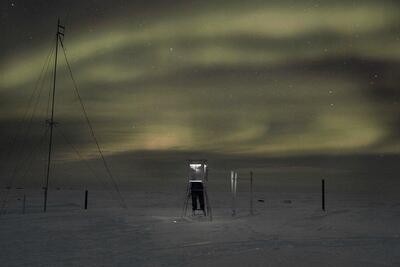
x: 251, y: 192
x: 51, y: 122
x: 86, y: 199
x: 323, y: 194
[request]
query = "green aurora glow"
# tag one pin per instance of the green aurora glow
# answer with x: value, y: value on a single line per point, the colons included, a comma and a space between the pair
x: 295, y: 78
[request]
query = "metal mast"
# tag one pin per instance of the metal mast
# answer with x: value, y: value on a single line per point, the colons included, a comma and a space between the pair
x: 51, y: 123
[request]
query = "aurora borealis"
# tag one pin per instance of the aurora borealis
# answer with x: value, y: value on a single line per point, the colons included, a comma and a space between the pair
x: 269, y: 78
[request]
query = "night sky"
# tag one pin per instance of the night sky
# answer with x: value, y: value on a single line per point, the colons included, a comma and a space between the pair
x: 248, y: 79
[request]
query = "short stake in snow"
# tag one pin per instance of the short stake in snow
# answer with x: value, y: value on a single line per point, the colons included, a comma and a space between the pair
x: 86, y: 199
x: 24, y: 204
x: 323, y: 194
x: 251, y: 193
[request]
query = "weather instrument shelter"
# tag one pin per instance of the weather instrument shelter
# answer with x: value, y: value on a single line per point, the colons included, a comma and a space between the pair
x: 197, y: 188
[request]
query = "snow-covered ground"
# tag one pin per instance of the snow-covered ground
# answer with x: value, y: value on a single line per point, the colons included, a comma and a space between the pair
x: 287, y: 229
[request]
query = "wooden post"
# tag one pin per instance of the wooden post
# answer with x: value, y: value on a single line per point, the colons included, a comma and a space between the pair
x: 24, y: 204
x: 233, y: 198
x: 251, y: 192
x: 236, y: 176
x: 323, y: 194
x: 86, y: 199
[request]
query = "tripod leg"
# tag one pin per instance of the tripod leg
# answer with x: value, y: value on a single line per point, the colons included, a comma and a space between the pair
x: 208, y: 208
x: 185, y: 205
